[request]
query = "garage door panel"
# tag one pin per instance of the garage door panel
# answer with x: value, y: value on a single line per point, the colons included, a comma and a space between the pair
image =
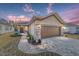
x: 48, y: 31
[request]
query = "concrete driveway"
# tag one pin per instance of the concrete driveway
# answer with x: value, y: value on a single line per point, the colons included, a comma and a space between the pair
x: 62, y: 45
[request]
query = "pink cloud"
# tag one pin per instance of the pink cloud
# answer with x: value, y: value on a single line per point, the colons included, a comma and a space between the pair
x: 23, y: 18
x: 49, y: 9
x: 70, y: 15
x: 12, y: 18
x: 19, y: 18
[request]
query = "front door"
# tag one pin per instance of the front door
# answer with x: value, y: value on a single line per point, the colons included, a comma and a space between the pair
x: 21, y: 30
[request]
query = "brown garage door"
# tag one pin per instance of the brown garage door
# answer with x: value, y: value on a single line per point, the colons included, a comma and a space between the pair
x: 49, y: 31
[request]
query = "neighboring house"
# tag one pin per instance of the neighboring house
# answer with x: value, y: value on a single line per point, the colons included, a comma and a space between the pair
x: 42, y: 27
x: 71, y: 28
x: 5, y: 26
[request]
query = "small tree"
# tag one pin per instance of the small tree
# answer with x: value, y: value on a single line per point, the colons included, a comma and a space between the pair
x: 13, y: 24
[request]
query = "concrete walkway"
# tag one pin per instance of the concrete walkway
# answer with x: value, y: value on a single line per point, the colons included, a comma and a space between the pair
x: 61, y: 45
x: 28, y: 48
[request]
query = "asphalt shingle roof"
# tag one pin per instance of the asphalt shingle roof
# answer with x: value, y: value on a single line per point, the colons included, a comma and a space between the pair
x: 3, y: 21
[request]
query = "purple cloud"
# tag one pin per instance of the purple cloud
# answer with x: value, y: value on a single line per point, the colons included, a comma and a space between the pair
x: 49, y: 9
x: 70, y: 15
x: 28, y: 9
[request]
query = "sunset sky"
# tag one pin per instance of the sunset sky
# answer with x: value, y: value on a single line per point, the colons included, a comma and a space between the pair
x: 68, y: 12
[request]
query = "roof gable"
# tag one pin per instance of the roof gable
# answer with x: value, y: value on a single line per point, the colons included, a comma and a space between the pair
x: 40, y: 18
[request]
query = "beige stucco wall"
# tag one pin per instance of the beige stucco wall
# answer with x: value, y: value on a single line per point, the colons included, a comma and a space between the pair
x: 33, y: 29
x: 51, y: 21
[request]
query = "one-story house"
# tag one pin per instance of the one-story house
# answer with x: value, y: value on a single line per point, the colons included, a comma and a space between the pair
x: 70, y: 28
x: 22, y: 27
x: 5, y: 26
x: 42, y: 27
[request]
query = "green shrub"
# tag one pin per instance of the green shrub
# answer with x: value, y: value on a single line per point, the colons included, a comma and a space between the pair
x: 29, y: 35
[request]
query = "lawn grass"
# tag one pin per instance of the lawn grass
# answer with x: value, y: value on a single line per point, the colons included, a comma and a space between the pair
x: 75, y: 36
x: 6, y: 39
